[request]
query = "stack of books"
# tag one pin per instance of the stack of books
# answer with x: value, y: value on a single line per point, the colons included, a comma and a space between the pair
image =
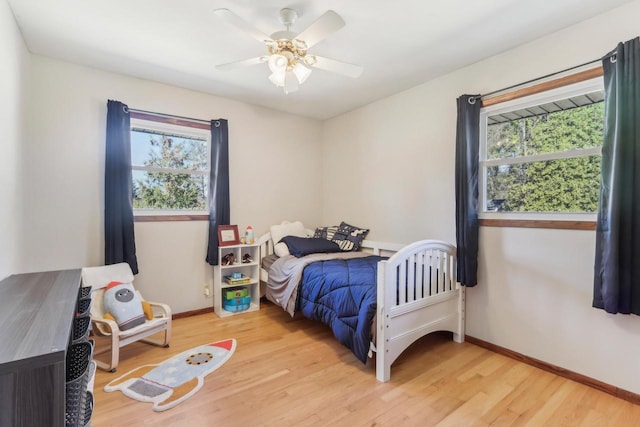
x: 237, y: 279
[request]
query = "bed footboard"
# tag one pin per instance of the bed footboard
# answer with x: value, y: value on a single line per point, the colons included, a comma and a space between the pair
x: 417, y: 294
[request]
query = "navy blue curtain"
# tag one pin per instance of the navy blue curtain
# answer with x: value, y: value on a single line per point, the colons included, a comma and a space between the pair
x: 119, y: 239
x: 467, y: 146
x: 617, y: 260
x: 219, y: 212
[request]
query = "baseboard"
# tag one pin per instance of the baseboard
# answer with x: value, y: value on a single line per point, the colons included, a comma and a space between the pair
x: 192, y: 313
x: 583, y: 379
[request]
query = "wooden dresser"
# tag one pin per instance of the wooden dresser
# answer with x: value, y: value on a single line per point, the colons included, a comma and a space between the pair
x: 36, y: 316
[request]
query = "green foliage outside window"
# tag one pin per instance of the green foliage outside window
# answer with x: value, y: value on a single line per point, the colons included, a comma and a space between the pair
x: 559, y: 185
x: 171, y: 190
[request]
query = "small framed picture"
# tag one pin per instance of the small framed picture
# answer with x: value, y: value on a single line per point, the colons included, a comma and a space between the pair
x: 228, y: 235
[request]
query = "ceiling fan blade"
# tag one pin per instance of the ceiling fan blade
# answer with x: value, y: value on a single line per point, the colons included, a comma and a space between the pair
x: 321, y: 28
x: 241, y: 24
x: 240, y: 64
x: 339, y: 67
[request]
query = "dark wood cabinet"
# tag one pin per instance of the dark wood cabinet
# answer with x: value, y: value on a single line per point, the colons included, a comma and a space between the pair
x: 36, y: 316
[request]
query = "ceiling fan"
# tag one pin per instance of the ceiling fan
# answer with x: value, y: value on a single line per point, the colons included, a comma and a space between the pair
x: 288, y: 57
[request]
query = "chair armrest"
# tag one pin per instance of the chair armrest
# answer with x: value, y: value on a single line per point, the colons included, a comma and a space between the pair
x: 163, y: 307
x: 105, y: 326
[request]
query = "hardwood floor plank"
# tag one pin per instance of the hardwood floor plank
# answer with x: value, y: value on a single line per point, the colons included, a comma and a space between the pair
x: 471, y: 412
x: 505, y: 411
x: 293, y: 372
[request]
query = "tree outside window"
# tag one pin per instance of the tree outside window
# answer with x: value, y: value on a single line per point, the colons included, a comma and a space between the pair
x: 170, y: 169
x: 544, y: 161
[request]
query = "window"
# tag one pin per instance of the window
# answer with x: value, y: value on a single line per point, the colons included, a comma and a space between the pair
x: 540, y: 155
x: 170, y: 167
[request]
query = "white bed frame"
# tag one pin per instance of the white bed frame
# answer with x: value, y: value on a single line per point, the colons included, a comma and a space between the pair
x: 417, y: 294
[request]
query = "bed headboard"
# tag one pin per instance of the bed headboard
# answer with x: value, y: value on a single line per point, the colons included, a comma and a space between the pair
x: 371, y: 246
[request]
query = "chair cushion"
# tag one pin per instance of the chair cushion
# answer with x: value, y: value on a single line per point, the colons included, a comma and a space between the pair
x: 156, y: 322
x: 124, y: 304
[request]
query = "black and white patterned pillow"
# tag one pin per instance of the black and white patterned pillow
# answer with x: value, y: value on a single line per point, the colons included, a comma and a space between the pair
x: 349, y: 237
x: 326, y: 232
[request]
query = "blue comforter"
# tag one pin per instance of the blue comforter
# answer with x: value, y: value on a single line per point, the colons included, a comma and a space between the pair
x: 342, y: 294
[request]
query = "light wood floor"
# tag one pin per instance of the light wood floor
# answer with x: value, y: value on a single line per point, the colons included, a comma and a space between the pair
x: 288, y: 372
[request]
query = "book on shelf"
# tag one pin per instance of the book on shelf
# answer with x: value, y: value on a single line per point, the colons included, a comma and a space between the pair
x: 237, y: 280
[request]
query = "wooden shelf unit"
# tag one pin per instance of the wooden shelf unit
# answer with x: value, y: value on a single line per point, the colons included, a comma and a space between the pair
x: 251, y: 270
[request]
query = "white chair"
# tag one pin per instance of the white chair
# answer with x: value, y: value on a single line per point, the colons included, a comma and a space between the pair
x: 107, y: 330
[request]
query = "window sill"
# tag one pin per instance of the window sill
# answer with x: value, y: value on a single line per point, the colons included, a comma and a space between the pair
x: 164, y: 218
x: 551, y: 224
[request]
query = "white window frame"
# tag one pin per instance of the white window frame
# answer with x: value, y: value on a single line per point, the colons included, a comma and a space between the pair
x: 564, y: 92
x: 173, y: 129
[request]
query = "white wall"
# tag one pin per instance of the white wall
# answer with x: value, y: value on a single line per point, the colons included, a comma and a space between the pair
x: 388, y: 167
x: 12, y: 92
x: 395, y: 174
x: 64, y: 189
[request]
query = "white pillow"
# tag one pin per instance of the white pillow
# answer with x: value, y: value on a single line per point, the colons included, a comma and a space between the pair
x: 285, y: 229
x: 281, y: 249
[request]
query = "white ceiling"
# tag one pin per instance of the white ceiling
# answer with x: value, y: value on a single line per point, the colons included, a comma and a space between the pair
x: 400, y: 44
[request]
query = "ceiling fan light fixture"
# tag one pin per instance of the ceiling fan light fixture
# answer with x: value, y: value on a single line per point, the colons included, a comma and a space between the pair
x: 288, y: 57
x: 277, y: 79
x: 301, y: 72
x: 290, y: 83
x: 310, y: 60
x: 278, y: 63
x: 300, y: 45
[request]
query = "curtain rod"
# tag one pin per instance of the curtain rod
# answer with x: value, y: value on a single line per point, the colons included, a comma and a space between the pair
x: 169, y: 115
x: 610, y: 56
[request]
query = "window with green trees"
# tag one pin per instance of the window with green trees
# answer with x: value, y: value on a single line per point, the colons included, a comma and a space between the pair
x: 170, y: 167
x: 542, y: 154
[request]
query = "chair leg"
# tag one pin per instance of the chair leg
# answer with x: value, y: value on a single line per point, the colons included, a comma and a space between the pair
x: 114, y: 350
x: 159, y: 343
x: 162, y: 343
x: 167, y: 334
x: 104, y: 366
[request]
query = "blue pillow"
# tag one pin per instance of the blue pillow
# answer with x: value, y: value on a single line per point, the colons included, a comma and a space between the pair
x: 301, y: 246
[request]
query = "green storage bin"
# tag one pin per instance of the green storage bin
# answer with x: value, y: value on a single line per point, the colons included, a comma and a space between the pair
x: 237, y: 292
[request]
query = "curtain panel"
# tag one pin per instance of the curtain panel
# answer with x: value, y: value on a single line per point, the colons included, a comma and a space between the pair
x: 219, y: 211
x: 617, y: 266
x: 467, y: 146
x: 119, y: 239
